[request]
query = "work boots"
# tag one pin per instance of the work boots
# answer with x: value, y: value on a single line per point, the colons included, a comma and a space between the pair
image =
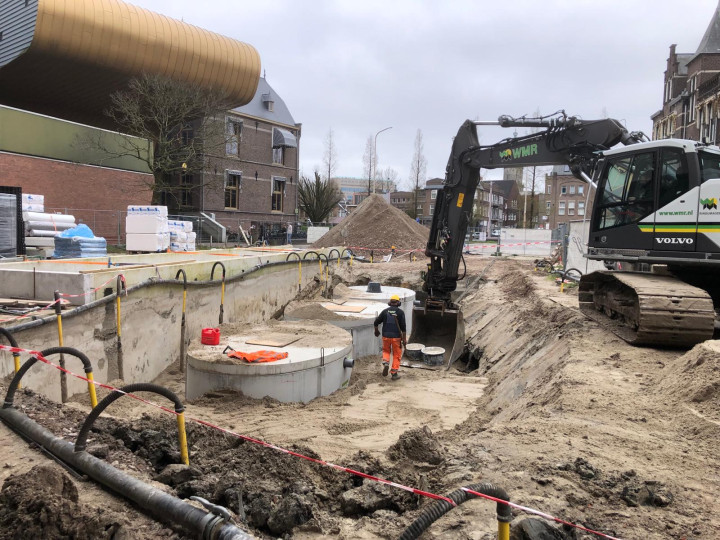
x: 395, y: 376
x: 386, y: 367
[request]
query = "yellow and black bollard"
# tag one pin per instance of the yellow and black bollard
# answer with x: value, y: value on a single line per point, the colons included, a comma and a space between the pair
x: 13, y: 343
x: 120, y: 287
x: 182, y: 321
x: 63, y: 376
x: 182, y: 436
x: 222, y: 288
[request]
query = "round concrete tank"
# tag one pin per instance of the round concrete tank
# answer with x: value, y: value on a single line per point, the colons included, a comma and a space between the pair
x: 318, y: 362
x: 355, y: 316
x: 407, y: 298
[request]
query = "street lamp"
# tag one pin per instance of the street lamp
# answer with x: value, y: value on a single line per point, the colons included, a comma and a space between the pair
x: 373, y: 161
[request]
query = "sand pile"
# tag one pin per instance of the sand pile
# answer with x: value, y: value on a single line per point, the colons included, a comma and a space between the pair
x: 693, y: 380
x: 376, y: 225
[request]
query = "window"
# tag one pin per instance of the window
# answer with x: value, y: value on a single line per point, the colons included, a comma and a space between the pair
x: 581, y: 208
x: 278, y: 193
x: 563, y: 190
x: 561, y: 208
x: 233, y: 180
x: 233, y: 131
x: 548, y: 206
x: 549, y: 189
x: 279, y: 155
x: 709, y: 167
x: 571, y: 208
x: 572, y: 190
x: 581, y: 189
x: 185, y: 186
x: 432, y: 208
x: 627, y: 189
x: 433, y: 194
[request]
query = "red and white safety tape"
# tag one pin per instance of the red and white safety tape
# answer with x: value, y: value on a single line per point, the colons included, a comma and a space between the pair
x: 410, y: 489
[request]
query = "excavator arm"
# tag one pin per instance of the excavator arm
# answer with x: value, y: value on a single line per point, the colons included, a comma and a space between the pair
x: 563, y: 141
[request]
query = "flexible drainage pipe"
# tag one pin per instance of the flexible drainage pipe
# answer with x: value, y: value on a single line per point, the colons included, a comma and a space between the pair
x: 440, y: 507
x: 162, y: 506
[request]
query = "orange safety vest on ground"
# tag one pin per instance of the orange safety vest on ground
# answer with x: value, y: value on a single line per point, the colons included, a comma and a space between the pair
x: 258, y: 356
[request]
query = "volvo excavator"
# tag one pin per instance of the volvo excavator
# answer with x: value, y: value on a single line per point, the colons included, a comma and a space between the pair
x: 655, y: 223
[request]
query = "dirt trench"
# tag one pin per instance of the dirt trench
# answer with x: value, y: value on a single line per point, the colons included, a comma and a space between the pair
x: 564, y: 416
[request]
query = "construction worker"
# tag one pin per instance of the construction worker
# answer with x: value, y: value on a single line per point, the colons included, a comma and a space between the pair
x: 392, y: 319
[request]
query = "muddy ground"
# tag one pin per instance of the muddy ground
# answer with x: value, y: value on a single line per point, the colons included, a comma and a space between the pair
x: 563, y: 415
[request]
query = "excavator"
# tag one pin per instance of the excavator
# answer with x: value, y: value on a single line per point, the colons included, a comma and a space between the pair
x: 655, y: 224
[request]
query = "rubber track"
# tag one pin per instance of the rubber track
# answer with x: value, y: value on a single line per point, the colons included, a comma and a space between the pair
x: 646, y: 309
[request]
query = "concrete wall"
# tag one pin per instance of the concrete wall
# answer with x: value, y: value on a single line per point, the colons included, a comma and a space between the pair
x: 532, y: 242
x: 577, y: 246
x: 151, y: 327
x: 315, y: 233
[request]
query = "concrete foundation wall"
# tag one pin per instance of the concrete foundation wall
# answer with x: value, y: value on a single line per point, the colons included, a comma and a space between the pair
x: 151, y: 327
x: 526, y: 238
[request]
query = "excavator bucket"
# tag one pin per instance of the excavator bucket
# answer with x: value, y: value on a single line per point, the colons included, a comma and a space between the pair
x: 439, y: 328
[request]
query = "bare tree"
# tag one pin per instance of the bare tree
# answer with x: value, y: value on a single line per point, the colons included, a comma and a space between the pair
x: 368, y: 158
x: 388, y: 179
x: 184, y: 124
x: 418, y: 166
x: 330, y: 156
x: 318, y: 197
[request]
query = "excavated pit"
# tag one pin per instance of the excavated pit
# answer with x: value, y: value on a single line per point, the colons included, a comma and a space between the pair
x: 561, y: 414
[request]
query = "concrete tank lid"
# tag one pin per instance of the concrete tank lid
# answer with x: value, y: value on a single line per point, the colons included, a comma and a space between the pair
x: 324, y: 310
x: 303, y: 343
x: 359, y: 291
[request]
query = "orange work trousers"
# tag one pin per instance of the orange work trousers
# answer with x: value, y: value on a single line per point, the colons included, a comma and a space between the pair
x: 396, y: 345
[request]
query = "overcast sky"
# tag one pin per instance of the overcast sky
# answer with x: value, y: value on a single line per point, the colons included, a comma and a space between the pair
x: 360, y: 66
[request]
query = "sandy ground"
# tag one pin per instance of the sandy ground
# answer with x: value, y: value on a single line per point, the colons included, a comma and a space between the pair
x: 563, y: 415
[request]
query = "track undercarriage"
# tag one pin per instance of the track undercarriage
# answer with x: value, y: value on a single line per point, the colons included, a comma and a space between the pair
x: 648, y: 309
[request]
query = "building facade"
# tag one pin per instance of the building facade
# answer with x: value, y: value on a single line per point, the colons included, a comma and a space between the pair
x: 566, y: 198
x: 691, y: 91
x: 252, y: 181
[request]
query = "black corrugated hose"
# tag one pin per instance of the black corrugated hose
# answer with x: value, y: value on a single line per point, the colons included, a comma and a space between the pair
x: 440, y: 507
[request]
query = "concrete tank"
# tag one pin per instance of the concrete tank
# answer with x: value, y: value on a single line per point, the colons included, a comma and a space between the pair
x: 407, y: 297
x: 319, y: 361
x: 355, y: 316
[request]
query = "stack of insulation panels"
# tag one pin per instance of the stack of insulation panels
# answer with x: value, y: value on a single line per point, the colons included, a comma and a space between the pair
x: 146, y: 229
x: 182, y: 237
x: 33, y: 203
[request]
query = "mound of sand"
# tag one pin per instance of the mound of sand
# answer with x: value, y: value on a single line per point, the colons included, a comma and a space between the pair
x: 376, y: 225
x: 694, y: 380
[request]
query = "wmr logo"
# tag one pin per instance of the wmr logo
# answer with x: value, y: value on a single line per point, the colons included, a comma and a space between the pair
x: 519, y: 152
x: 709, y: 204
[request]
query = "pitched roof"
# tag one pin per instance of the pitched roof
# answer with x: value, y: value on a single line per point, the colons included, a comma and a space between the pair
x: 710, y: 42
x: 504, y: 186
x: 257, y: 107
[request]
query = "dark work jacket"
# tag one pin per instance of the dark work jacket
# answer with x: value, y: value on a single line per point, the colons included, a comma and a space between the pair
x: 389, y: 327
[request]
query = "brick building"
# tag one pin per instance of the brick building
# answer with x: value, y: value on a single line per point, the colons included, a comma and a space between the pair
x: 57, y: 73
x: 254, y: 181
x: 566, y: 198
x: 691, y: 92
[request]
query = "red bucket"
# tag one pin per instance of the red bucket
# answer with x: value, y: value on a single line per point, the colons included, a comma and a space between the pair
x: 210, y: 336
